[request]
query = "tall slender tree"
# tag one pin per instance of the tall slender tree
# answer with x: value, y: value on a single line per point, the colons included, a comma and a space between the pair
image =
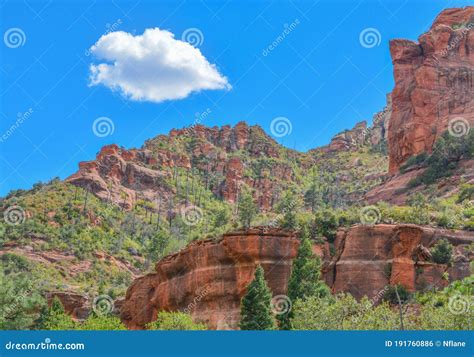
x: 255, y: 307
x: 246, y: 209
x: 305, y: 279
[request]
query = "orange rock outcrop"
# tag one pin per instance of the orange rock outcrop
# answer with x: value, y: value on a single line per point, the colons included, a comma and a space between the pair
x: 434, y: 85
x: 208, y: 278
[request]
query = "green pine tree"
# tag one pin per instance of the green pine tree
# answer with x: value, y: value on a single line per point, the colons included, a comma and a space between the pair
x: 305, y: 280
x: 287, y: 207
x: 247, y: 209
x: 255, y: 307
x: 55, y: 318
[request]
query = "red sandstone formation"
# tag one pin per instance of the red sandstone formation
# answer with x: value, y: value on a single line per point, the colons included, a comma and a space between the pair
x: 394, y: 189
x: 370, y: 257
x: 76, y: 305
x: 123, y: 176
x: 208, y: 278
x: 349, y: 139
x: 434, y: 84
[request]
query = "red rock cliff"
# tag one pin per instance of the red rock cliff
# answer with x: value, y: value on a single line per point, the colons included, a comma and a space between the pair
x: 434, y: 84
x: 209, y: 278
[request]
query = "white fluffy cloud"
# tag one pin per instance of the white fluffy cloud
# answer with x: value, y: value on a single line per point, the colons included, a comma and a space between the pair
x: 152, y: 67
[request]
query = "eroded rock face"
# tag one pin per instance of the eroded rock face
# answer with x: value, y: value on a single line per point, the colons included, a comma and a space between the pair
x: 379, y: 129
x: 394, y: 187
x: 349, y: 139
x: 434, y: 85
x: 371, y: 257
x: 208, y: 278
x: 76, y: 305
x: 124, y: 176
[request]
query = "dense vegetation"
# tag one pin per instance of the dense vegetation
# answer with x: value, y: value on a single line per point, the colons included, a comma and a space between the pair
x: 59, y: 237
x: 310, y: 306
x: 448, y: 309
x: 174, y: 321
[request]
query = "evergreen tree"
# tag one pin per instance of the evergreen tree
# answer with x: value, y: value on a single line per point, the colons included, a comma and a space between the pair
x: 255, y: 307
x: 20, y: 301
x: 55, y: 318
x: 247, y: 209
x: 288, y: 206
x: 305, y: 279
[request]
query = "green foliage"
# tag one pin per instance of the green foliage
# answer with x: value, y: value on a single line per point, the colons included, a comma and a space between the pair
x: 305, y: 280
x: 288, y: 207
x: 94, y: 322
x: 342, y: 312
x: 449, y: 309
x: 255, y: 307
x: 326, y: 224
x: 247, y: 209
x: 442, y: 252
x: 221, y: 217
x: 395, y: 292
x: 414, y: 161
x: 174, y: 321
x: 20, y: 301
x: 419, y: 204
x: 447, y: 151
x: 466, y: 192
x: 55, y: 318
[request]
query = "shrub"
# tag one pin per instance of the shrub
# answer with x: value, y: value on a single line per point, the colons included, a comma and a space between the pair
x: 174, y: 321
x: 326, y: 224
x: 343, y: 312
x: 466, y: 192
x: 247, y: 209
x: 414, y: 160
x: 20, y: 302
x: 55, y: 318
x: 442, y: 252
x: 96, y: 323
x: 391, y: 294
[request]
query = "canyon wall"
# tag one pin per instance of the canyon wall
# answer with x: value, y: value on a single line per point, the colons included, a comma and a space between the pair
x: 434, y: 85
x: 208, y: 278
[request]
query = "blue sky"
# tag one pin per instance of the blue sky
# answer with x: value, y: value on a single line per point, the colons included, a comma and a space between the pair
x: 320, y: 77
